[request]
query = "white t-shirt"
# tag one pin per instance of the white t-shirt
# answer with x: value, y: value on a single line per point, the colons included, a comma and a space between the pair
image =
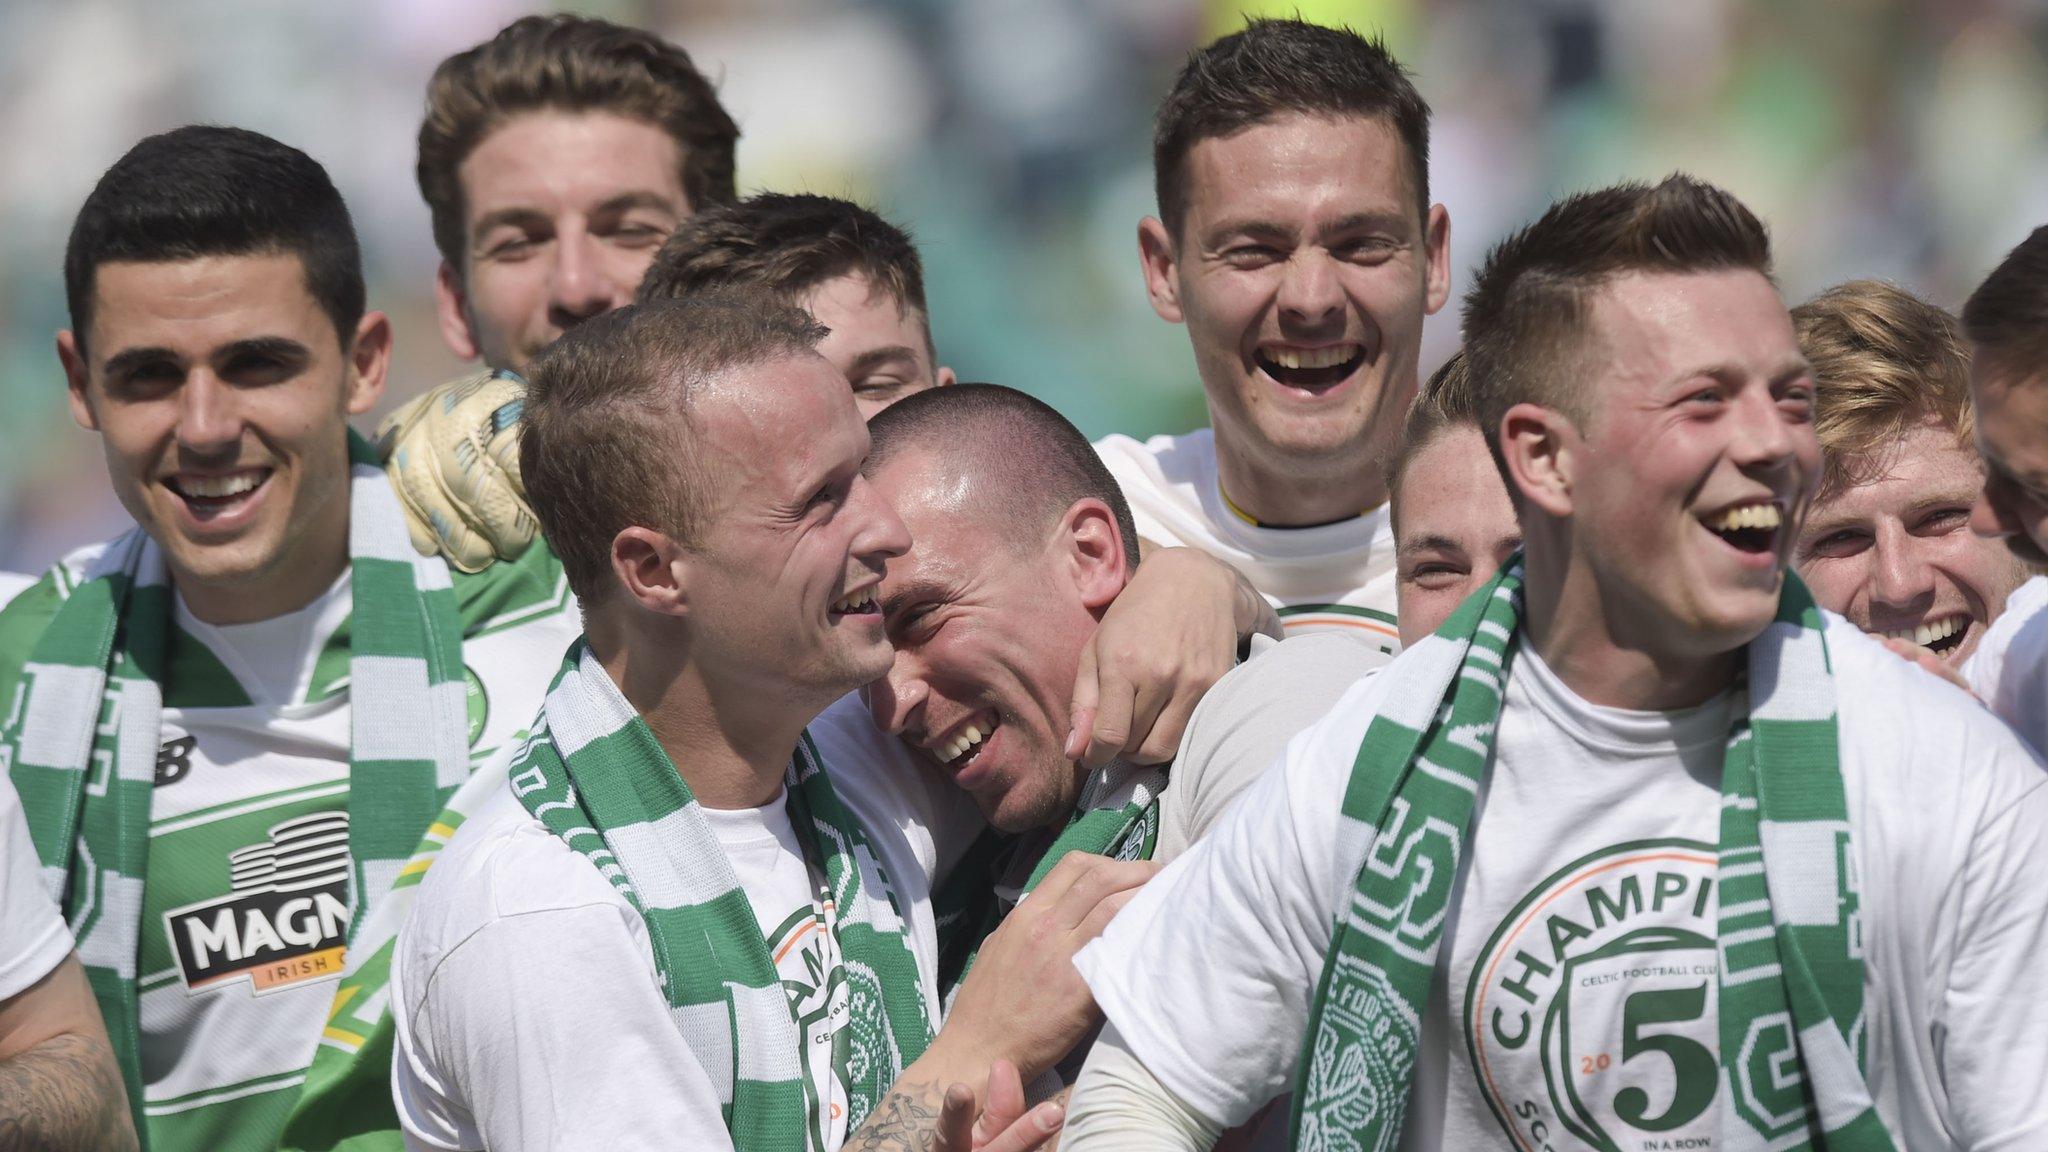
x: 2009, y: 669
x: 524, y: 988
x: 1337, y: 576
x: 33, y: 938
x: 1585, y: 902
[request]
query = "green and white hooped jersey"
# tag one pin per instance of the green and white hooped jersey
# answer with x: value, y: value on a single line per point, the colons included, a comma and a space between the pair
x: 1336, y: 577
x: 246, y: 900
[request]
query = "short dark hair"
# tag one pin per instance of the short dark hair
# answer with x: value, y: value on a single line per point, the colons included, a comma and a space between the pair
x: 2007, y: 316
x: 1528, y: 311
x: 203, y: 190
x: 1276, y: 67
x: 569, y: 64
x: 1046, y: 463
x: 608, y: 438
x: 787, y: 243
x: 1446, y: 401
x: 1884, y: 360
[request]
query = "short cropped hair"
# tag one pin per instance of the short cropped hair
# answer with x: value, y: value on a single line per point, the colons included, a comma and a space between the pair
x: 1041, y: 462
x: 2007, y: 316
x: 1273, y: 68
x: 1444, y: 402
x: 210, y: 191
x: 788, y: 244
x: 1883, y: 361
x: 568, y: 64
x: 609, y: 429
x: 1528, y: 314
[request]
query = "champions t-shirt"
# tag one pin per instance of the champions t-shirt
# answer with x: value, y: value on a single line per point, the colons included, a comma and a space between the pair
x: 1336, y: 576
x: 1576, y: 998
x: 246, y: 900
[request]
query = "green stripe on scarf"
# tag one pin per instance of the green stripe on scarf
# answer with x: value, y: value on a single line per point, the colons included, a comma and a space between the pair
x: 1791, y: 981
x: 83, y: 742
x: 1117, y: 815
x: 595, y: 776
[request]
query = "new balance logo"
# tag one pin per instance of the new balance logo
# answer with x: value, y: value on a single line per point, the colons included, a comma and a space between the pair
x: 285, y: 923
x: 174, y: 760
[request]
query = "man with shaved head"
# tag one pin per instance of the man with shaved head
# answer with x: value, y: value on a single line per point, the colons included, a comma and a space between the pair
x: 1021, y: 542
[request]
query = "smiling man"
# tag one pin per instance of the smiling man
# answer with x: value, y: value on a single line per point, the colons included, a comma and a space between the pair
x: 1641, y: 848
x: 226, y: 768
x: 1297, y: 242
x: 1453, y: 523
x: 1887, y: 543
x: 456, y: 463
x: 696, y: 912
x: 555, y: 158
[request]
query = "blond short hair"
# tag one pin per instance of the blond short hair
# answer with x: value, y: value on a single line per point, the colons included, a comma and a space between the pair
x: 1884, y: 361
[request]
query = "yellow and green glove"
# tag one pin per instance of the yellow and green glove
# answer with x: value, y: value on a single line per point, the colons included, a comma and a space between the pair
x: 453, y: 456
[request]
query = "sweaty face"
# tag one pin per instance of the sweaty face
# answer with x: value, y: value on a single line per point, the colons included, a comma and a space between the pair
x: 1698, y: 460
x: 2012, y: 434
x: 783, y: 578
x: 1895, y: 555
x: 988, y: 637
x: 222, y: 395
x: 1454, y: 528
x: 1303, y: 270
x: 880, y: 343
x: 563, y: 213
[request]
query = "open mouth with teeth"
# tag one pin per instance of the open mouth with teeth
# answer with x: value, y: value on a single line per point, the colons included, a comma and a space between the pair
x: 967, y: 742
x: 1310, y: 369
x: 857, y: 603
x: 1751, y: 528
x: 1943, y: 635
x: 210, y: 496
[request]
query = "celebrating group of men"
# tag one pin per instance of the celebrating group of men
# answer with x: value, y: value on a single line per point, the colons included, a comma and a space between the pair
x: 712, y: 726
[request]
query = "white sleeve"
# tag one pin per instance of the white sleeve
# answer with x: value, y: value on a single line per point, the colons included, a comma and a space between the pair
x: 545, y: 1031
x: 1993, y: 1014
x: 1238, y: 926
x: 33, y: 939
x: 1243, y: 724
x: 1119, y: 1105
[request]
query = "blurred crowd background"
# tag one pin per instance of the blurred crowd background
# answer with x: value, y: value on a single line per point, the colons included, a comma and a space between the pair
x: 1903, y: 139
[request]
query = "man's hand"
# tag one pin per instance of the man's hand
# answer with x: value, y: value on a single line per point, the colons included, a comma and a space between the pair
x: 453, y: 456
x: 918, y: 1116
x: 1023, y: 1000
x: 1172, y: 632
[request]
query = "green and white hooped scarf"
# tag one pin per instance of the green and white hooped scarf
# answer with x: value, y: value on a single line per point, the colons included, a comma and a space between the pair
x: 81, y: 746
x: 594, y: 775
x: 1117, y: 815
x: 1790, y: 939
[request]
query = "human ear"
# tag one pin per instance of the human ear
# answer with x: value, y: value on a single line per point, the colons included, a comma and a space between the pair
x: 1540, y: 448
x: 451, y: 307
x: 652, y: 570
x: 1161, y: 261
x: 1092, y: 550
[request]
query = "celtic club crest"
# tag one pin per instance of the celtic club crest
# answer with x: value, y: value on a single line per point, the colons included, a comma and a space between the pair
x: 1357, y: 1083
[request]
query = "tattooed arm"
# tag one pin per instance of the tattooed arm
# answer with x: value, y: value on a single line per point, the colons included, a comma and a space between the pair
x: 60, y: 1088
x: 918, y: 1116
